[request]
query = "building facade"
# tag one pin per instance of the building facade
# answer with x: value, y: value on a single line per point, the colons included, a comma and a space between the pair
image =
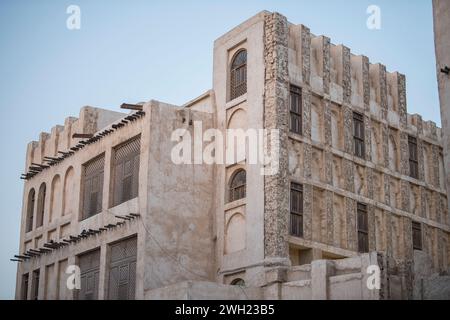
x: 359, y: 182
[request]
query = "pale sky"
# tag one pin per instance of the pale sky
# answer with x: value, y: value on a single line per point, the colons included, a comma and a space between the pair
x: 131, y: 51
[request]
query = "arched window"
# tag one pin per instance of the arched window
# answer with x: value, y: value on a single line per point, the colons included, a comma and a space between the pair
x: 30, y: 210
x: 238, y: 75
x: 237, y: 185
x: 238, y: 282
x: 40, y: 206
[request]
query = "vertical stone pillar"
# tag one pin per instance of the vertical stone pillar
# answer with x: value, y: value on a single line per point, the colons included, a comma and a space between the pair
x: 366, y: 83
x: 371, y: 221
x: 306, y: 54
x: 368, y: 137
x: 306, y: 119
x: 349, y: 176
x: 327, y: 122
x: 387, y: 189
x: 405, y: 194
x: 307, y: 211
x: 350, y: 213
x: 329, y: 217
x: 383, y: 91
x: 402, y: 107
x: 385, y: 143
x: 404, y: 153
x: 389, y: 235
x: 348, y: 129
x: 276, y: 97
x: 346, y: 76
x: 326, y: 64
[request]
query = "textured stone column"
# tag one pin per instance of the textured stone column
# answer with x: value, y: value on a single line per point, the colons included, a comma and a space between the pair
x: 327, y: 122
x: 326, y: 64
x: 348, y: 129
x: 349, y: 176
x: 307, y: 211
x: 383, y: 91
x: 402, y: 108
x: 387, y: 189
x: 372, y: 234
x: 388, y: 228
x: 350, y: 212
x: 346, y: 76
x: 385, y: 143
x: 366, y: 83
x: 407, y: 238
x: 306, y: 119
x: 329, y: 215
x: 276, y: 96
x: 307, y: 160
x: 370, y: 187
x: 306, y: 54
x: 420, y: 155
x: 328, y: 156
x: 423, y: 202
x: 404, y: 153
x: 368, y: 137
x: 405, y: 194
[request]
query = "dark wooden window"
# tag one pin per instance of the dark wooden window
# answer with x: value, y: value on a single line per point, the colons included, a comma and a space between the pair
x: 30, y: 210
x: 417, y: 235
x: 41, y: 205
x: 238, y: 75
x: 238, y: 185
x: 35, y: 285
x: 296, y: 216
x: 25, y: 280
x: 358, y: 135
x: 93, y: 187
x: 363, y: 228
x: 295, y: 119
x: 126, y: 171
x: 89, y: 264
x: 413, y: 158
x: 122, y: 270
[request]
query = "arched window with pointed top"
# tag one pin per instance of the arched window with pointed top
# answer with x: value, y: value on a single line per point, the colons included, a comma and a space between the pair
x: 238, y: 74
x: 41, y: 205
x: 238, y: 185
x: 30, y: 210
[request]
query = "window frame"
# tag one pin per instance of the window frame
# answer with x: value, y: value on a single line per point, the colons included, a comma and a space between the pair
x: 359, y: 148
x: 413, y: 157
x: 362, y: 228
x: 296, y: 223
x: 238, y: 89
x: 240, y: 189
x: 295, y: 110
x: 416, y: 227
x: 118, y: 193
x: 100, y: 175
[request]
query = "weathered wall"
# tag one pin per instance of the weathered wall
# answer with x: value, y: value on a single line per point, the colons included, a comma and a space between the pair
x: 441, y: 16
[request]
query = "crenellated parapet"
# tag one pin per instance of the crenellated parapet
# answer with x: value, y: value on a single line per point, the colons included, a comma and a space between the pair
x: 60, y: 139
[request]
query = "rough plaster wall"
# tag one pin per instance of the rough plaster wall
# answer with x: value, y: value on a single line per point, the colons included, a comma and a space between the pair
x: 179, y: 238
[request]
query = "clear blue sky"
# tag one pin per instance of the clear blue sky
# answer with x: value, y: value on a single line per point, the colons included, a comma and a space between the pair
x: 130, y: 51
